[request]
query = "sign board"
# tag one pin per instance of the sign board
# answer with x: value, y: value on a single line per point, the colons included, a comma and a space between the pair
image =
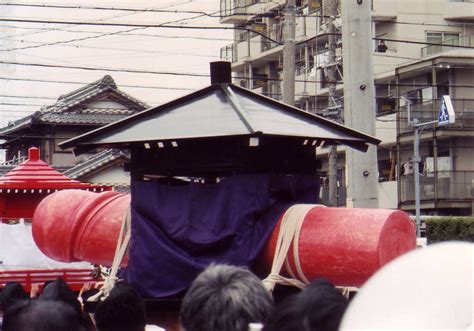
x: 446, y: 111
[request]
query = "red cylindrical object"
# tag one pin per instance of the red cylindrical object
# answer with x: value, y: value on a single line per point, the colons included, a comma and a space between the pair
x: 346, y: 245
x: 77, y: 225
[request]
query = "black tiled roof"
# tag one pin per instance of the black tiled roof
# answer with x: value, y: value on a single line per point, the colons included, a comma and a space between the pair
x: 82, y: 117
x: 96, y: 161
x: 72, y: 108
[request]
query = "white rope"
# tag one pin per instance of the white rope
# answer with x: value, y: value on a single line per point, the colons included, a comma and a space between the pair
x: 122, y: 244
x: 289, y: 232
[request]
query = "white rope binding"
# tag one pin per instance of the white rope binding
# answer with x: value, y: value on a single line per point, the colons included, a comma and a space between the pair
x: 122, y: 244
x: 289, y: 232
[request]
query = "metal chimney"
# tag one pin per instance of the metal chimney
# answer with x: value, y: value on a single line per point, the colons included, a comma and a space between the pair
x: 221, y: 72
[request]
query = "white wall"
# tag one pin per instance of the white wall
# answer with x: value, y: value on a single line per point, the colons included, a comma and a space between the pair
x: 111, y: 176
x: 387, y: 194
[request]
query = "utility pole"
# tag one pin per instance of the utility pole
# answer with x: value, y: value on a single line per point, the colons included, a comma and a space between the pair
x: 330, y: 12
x: 359, y: 101
x: 289, y: 49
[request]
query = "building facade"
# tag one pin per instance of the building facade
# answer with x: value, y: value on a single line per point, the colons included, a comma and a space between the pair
x: 82, y: 110
x: 422, y: 50
x: 75, y: 113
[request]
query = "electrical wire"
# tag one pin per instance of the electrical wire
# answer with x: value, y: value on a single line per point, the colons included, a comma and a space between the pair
x: 101, y: 19
x: 146, y: 10
x: 85, y: 83
x: 136, y: 26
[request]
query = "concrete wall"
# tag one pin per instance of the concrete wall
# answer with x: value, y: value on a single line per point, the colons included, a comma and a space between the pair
x: 463, y: 157
x: 387, y: 194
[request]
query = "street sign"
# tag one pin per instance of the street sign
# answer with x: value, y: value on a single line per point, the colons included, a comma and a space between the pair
x: 446, y: 111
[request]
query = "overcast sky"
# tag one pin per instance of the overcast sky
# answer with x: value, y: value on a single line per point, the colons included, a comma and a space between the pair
x: 153, y: 49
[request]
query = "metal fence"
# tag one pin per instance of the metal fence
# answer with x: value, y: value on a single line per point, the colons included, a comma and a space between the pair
x: 449, y: 185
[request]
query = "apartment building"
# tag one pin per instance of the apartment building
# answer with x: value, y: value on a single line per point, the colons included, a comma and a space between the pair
x: 417, y: 56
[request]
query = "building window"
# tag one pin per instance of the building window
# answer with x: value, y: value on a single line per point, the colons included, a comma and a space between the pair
x: 443, y: 40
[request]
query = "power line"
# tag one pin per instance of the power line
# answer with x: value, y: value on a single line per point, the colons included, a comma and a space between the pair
x: 131, y: 50
x: 137, y: 25
x: 122, y: 34
x: 26, y: 97
x: 85, y: 83
x: 134, y: 29
x: 166, y: 25
x: 135, y: 71
x: 128, y: 14
x: 20, y: 104
x: 127, y: 9
x: 147, y: 10
x: 138, y: 71
x: 424, y: 24
x: 421, y: 42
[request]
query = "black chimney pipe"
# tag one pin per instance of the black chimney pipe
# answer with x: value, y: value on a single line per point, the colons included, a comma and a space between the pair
x: 221, y: 72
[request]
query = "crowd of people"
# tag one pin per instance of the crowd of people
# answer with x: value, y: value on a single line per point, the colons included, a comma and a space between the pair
x: 222, y: 297
x: 231, y: 298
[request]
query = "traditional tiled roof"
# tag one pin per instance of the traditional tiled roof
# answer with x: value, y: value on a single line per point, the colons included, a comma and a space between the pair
x: 75, y: 108
x: 74, y: 98
x: 88, y: 116
x: 96, y: 162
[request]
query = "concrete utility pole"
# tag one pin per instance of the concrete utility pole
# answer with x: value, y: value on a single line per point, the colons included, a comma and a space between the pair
x: 330, y: 9
x: 289, y: 49
x: 359, y: 101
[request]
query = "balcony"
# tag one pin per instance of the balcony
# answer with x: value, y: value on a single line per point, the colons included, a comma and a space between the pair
x: 384, y: 10
x: 451, y: 185
x: 459, y: 10
x: 447, y: 46
x: 228, y: 53
x: 272, y: 90
x: 239, y: 11
x: 427, y: 111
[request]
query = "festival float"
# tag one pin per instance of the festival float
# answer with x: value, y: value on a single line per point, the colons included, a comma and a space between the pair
x: 222, y: 175
x: 21, y: 190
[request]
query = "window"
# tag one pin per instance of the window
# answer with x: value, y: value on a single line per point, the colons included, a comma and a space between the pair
x: 443, y: 41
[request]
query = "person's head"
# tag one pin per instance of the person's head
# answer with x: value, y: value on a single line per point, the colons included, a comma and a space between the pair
x: 59, y: 290
x: 10, y: 294
x: 42, y: 315
x: 225, y: 297
x: 319, y: 307
x: 425, y: 289
x: 123, y: 310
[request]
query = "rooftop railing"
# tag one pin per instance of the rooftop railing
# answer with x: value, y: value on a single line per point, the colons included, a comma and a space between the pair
x: 447, y: 45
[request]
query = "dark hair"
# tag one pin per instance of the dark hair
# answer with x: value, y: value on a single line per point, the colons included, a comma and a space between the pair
x: 59, y: 290
x: 42, y: 315
x: 10, y: 294
x: 319, y: 307
x: 227, y: 298
x: 89, y: 306
x: 123, y: 310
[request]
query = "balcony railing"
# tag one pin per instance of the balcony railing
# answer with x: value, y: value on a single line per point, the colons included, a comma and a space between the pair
x: 446, y: 46
x: 275, y: 33
x: 451, y: 185
x: 235, y: 7
x: 272, y: 90
x: 228, y: 53
x: 426, y: 112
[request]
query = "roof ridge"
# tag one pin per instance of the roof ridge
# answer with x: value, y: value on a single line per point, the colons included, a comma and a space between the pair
x: 106, y: 81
